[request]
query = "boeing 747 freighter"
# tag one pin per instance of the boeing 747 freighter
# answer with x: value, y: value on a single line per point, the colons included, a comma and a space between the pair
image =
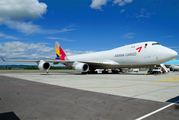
x: 144, y: 54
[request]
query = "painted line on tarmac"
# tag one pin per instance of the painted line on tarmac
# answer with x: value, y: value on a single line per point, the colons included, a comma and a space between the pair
x: 156, y: 111
x: 159, y: 85
x: 146, y: 72
x: 175, y: 79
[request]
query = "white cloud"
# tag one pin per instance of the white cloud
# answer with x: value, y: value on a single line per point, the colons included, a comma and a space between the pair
x: 63, y: 39
x: 14, y: 12
x: 66, y: 30
x: 29, y: 28
x: 144, y: 14
x: 173, y: 47
x: 21, y: 9
x: 122, y: 10
x: 128, y: 35
x: 26, y: 51
x: 122, y: 2
x: 72, y: 52
x: 23, y: 50
x: 2, y: 35
x: 96, y: 4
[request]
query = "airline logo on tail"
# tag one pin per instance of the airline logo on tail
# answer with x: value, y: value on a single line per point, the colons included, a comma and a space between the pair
x: 59, y: 52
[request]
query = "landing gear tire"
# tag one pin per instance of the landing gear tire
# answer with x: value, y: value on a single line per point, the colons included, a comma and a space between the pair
x: 115, y: 71
x: 92, y: 71
x: 104, y: 72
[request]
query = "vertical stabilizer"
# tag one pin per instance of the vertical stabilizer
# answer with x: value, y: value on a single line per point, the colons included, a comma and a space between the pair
x: 59, y: 52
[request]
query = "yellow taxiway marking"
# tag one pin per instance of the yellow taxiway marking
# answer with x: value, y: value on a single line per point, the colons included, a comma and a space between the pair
x: 169, y: 79
x: 146, y: 71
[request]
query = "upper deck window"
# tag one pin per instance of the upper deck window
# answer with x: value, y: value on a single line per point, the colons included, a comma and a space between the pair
x: 155, y: 44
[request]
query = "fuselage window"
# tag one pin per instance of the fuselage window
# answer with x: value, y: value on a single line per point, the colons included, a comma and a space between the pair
x: 155, y: 44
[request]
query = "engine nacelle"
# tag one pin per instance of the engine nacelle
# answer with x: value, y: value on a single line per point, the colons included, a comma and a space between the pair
x: 43, y: 65
x: 81, y: 67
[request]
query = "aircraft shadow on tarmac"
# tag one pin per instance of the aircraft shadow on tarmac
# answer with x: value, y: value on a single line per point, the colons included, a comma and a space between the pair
x: 174, y: 100
x: 8, y: 116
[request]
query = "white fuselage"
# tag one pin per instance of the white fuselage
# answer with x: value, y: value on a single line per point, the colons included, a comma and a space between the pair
x: 151, y: 53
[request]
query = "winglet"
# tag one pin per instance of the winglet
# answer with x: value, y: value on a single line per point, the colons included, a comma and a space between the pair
x: 2, y: 59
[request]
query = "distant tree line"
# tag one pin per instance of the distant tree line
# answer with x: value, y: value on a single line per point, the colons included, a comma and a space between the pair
x: 60, y: 68
x: 11, y: 67
x: 51, y: 68
x: 31, y: 68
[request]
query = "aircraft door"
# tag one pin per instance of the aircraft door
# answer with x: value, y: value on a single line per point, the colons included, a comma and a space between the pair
x: 155, y: 56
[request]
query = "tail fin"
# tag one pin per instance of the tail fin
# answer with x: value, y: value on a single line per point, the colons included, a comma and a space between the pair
x: 59, y: 52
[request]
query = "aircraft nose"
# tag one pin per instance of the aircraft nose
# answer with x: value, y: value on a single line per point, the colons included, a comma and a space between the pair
x: 174, y: 53
x: 166, y: 54
x: 169, y: 53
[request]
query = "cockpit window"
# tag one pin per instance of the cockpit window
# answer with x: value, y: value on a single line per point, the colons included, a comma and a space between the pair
x: 155, y: 44
x: 145, y: 45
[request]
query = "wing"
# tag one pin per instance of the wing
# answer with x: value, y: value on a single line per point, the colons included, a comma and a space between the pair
x: 170, y: 65
x: 50, y: 61
x: 20, y: 60
x: 56, y: 61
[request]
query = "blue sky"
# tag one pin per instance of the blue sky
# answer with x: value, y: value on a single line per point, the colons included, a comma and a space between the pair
x: 29, y: 28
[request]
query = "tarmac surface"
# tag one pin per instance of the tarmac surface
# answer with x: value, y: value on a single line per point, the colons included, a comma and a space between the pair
x: 68, y: 95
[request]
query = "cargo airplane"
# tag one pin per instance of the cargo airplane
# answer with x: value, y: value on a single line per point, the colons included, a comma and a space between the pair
x: 142, y: 54
x: 173, y: 65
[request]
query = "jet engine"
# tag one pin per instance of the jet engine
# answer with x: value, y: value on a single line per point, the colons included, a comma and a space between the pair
x: 82, y: 67
x: 42, y: 65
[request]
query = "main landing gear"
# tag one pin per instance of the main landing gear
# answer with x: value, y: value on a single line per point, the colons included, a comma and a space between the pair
x: 103, y: 71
